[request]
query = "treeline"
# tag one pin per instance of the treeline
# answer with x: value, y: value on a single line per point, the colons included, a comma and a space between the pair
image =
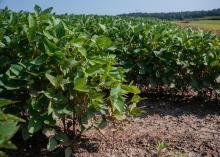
x: 177, y: 15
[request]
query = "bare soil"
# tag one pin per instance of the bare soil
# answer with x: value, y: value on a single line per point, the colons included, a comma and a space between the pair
x: 188, y: 24
x: 189, y: 127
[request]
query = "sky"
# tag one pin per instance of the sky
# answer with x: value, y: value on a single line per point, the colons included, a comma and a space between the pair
x: 112, y: 7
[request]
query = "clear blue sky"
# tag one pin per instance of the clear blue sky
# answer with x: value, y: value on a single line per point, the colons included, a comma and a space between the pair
x: 112, y: 7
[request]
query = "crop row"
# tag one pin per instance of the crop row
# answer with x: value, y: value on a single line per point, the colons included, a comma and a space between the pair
x: 48, y: 76
x: 158, y: 53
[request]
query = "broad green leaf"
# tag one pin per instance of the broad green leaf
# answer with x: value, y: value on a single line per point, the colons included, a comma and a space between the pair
x: 62, y: 137
x: 68, y: 64
x: 50, y: 47
x: 37, y: 10
x: 39, y: 60
x: 50, y: 108
x: 8, y: 129
x: 103, y: 27
x: 4, y: 102
x: 80, y: 83
x: 103, y: 42
x: 134, y: 110
x: 31, y: 34
x: 34, y: 125
x: 60, y: 31
x: 25, y: 134
x: 2, y: 45
x: 16, y: 69
x: 31, y: 21
x: 68, y: 152
x: 48, y: 10
x: 218, y: 79
x: 215, y: 64
x: 4, y: 117
x: 57, y: 81
x: 52, y: 79
x: 55, y: 98
x: 83, y: 52
x: 135, y: 99
x: 131, y: 89
x: 118, y: 104
x: 101, y: 123
x: 3, y: 154
x: 115, y: 92
x: 52, y: 144
x: 7, y: 145
x: 48, y: 35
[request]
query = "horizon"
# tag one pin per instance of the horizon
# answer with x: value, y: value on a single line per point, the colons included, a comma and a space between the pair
x: 108, y: 7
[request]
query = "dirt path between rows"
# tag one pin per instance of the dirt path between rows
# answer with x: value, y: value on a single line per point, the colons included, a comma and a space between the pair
x: 186, y: 129
x: 189, y: 129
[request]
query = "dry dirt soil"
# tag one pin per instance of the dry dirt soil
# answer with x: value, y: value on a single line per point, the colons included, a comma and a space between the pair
x: 189, y: 128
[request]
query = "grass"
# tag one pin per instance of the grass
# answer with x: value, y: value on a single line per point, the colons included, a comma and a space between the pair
x: 206, y: 25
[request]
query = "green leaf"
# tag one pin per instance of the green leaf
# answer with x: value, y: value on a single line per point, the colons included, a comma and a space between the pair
x: 68, y: 152
x: 135, y: 99
x: 31, y: 21
x: 83, y: 52
x: 52, y: 79
x: 50, y: 108
x: 62, y: 137
x: 50, y: 47
x: 4, y: 117
x: 8, y: 129
x: 118, y: 104
x: 131, y: 89
x: 68, y: 64
x: 115, y: 92
x: 103, y: 27
x: 2, y: 45
x: 25, y: 134
x: 31, y: 33
x: 134, y: 110
x: 103, y: 42
x: 48, y: 10
x: 4, y: 102
x: 218, y: 79
x: 39, y: 60
x: 3, y: 154
x: 101, y: 123
x: 52, y: 144
x: 37, y: 10
x: 7, y: 145
x: 57, y: 81
x: 16, y: 69
x: 60, y: 31
x: 216, y: 63
x: 34, y: 125
x: 80, y: 83
x: 48, y: 35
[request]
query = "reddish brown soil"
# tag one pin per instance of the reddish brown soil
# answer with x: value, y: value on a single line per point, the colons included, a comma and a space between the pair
x: 191, y: 128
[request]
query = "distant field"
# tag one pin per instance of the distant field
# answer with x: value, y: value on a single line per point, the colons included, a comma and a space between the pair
x: 206, y: 25
x: 210, y: 18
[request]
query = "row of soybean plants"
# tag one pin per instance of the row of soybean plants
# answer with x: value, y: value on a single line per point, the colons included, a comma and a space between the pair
x: 158, y: 53
x: 53, y: 73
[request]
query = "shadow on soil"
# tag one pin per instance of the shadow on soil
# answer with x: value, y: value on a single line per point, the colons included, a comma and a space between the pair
x: 166, y: 104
